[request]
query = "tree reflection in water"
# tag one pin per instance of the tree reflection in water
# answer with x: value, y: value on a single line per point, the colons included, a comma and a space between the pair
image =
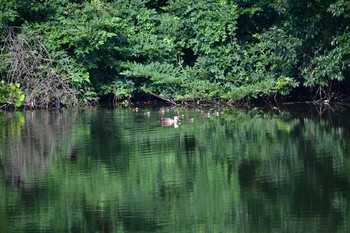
x: 121, y: 171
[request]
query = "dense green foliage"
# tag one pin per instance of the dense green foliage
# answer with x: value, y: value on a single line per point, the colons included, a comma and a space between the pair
x: 11, y: 94
x: 181, y: 50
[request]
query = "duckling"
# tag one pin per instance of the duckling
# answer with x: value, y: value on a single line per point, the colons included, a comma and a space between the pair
x: 148, y: 113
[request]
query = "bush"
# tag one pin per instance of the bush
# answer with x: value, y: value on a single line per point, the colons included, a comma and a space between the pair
x: 46, y: 78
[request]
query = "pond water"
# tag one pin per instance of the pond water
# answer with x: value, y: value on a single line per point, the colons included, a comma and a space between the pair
x: 219, y: 170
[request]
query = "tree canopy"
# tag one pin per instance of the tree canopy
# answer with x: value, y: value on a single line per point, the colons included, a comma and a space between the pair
x: 72, y: 52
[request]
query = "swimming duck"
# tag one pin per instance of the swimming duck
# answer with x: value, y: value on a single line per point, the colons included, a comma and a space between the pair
x: 169, y: 121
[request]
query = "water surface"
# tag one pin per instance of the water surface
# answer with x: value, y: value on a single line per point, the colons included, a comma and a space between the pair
x: 220, y: 170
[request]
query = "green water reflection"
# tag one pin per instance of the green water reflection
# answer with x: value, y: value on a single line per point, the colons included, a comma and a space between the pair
x: 228, y: 170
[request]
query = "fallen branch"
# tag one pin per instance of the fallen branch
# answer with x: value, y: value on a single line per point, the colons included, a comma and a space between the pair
x: 163, y: 98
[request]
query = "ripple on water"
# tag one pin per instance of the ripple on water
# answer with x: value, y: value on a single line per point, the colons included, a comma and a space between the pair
x: 121, y: 171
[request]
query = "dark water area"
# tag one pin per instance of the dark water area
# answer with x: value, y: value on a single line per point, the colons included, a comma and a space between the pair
x: 284, y: 169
